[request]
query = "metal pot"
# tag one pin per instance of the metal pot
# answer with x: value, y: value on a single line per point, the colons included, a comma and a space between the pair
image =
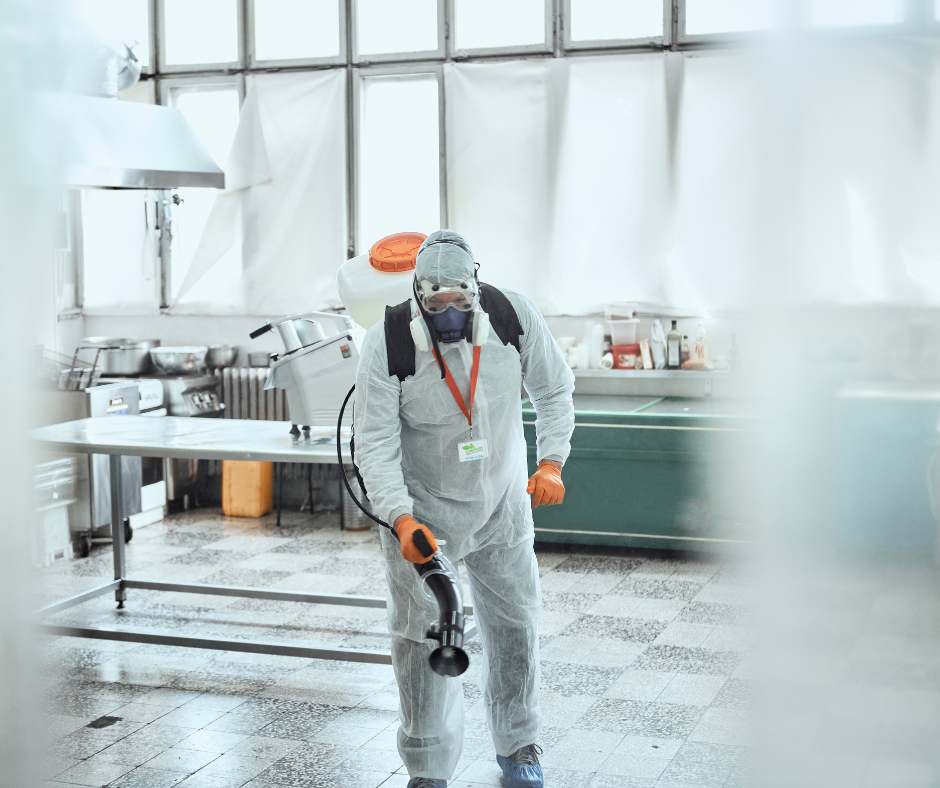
x: 122, y: 356
x: 220, y: 356
x: 181, y: 360
x: 259, y: 358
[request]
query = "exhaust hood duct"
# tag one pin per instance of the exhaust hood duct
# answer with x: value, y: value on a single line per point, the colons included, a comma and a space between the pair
x: 113, y: 144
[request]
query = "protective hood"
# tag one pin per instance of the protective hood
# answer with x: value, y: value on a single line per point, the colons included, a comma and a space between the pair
x: 444, y: 259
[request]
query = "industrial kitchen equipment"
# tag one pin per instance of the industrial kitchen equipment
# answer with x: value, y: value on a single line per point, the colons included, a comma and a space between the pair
x: 311, y: 355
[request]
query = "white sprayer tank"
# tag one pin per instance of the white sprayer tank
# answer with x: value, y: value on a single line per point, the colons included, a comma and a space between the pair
x: 370, y: 282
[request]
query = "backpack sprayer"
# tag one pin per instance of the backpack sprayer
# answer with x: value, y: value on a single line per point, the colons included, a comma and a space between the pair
x: 437, y: 575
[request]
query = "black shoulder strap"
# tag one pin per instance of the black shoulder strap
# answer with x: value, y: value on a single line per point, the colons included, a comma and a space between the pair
x: 503, y: 317
x: 401, y: 347
x: 398, y: 342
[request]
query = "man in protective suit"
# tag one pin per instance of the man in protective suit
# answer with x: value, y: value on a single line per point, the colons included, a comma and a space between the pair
x: 442, y: 453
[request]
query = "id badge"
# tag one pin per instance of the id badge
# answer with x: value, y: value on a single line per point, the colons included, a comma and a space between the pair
x: 471, y: 450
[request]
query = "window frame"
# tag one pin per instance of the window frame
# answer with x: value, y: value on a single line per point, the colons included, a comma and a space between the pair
x: 184, y: 68
x: 255, y: 63
x: 361, y: 59
x: 354, y: 183
x: 921, y: 20
x: 645, y: 43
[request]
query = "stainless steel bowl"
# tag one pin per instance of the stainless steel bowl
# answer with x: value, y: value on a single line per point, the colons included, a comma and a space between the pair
x: 180, y: 360
x: 121, y: 356
x: 220, y: 356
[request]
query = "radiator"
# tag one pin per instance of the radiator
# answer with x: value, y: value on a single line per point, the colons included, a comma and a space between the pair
x: 245, y: 398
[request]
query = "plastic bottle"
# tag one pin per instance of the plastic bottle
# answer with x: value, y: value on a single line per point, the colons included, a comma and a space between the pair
x: 584, y: 356
x: 700, y: 350
x: 673, y: 347
x: 658, y: 344
x: 734, y: 354
x: 596, y: 345
x: 685, y: 351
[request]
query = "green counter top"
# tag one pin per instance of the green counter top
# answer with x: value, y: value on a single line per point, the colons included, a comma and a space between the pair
x: 648, y: 472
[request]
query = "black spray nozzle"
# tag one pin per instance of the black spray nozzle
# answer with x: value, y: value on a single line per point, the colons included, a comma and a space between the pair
x: 449, y: 659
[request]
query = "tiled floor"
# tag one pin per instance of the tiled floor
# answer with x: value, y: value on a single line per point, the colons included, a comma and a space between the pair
x: 645, y: 680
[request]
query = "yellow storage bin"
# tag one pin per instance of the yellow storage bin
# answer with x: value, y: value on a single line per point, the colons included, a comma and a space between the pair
x: 247, y: 488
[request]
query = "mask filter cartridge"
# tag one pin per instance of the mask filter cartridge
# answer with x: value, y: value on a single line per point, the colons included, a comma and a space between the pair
x: 450, y: 325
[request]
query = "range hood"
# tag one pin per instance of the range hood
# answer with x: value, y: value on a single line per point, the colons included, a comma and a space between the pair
x: 108, y: 143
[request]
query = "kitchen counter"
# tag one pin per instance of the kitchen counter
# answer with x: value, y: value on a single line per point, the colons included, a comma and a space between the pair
x: 188, y: 438
x: 220, y: 439
x: 650, y: 472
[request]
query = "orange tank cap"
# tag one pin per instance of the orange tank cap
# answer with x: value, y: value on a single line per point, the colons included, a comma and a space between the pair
x: 396, y: 253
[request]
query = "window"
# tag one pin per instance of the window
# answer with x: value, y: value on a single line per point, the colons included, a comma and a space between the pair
x: 487, y: 24
x: 597, y: 20
x: 119, y: 21
x: 707, y: 17
x: 201, y: 32
x: 67, y: 240
x: 119, y: 244
x: 843, y: 13
x: 386, y: 26
x: 296, y: 29
x: 399, y: 183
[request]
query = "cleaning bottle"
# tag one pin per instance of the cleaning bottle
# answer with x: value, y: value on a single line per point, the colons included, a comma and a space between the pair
x: 673, y: 347
x: 658, y: 344
x: 596, y: 344
x: 734, y: 354
x: 701, y: 343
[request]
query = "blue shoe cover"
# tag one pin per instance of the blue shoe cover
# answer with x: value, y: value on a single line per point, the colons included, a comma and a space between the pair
x: 415, y: 782
x: 517, y: 776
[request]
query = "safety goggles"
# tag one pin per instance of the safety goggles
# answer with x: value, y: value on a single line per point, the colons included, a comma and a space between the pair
x: 436, y: 298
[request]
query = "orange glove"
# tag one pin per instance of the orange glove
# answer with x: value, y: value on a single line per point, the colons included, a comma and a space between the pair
x: 418, y: 550
x: 545, y: 486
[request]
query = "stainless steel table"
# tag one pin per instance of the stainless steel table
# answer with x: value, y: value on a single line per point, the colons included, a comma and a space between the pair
x: 204, y: 439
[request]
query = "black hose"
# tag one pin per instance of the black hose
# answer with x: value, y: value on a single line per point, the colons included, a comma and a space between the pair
x: 448, y: 659
x: 342, y: 467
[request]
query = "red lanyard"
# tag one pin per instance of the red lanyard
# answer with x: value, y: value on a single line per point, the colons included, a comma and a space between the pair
x: 458, y: 397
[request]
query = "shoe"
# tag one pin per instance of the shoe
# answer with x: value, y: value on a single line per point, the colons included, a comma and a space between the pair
x: 426, y: 782
x: 521, y: 769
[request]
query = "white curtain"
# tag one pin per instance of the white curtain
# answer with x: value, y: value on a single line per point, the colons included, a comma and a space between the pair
x: 809, y: 170
x: 285, y: 205
x: 869, y: 165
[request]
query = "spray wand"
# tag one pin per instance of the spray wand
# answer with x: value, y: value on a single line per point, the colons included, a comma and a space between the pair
x: 438, y: 574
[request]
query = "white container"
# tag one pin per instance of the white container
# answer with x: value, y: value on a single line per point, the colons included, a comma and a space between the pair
x: 584, y: 356
x: 658, y: 344
x: 623, y: 332
x: 366, y: 291
x: 596, y: 346
x: 700, y: 348
x: 53, y: 541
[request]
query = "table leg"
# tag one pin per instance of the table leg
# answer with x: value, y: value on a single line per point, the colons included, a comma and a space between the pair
x: 117, y: 525
x: 280, y: 486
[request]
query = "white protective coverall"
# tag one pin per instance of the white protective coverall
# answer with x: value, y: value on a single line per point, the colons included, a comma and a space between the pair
x: 406, y: 437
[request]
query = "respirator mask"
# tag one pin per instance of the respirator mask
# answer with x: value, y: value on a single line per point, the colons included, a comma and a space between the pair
x: 452, y: 312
